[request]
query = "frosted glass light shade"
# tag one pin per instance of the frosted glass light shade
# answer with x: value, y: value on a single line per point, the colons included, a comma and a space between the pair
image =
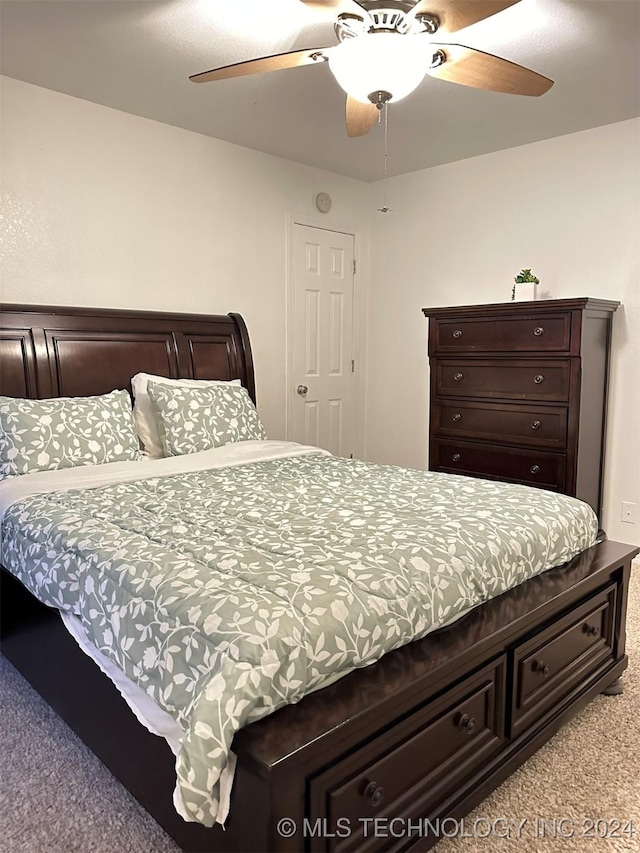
x: 387, y: 62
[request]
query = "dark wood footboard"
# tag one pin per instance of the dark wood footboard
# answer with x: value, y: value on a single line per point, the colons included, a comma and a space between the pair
x: 426, y: 732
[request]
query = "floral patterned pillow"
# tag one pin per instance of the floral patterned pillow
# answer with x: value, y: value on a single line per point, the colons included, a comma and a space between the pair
x: 144, y: 411
x: 195, y: 419
x: 63, y: 432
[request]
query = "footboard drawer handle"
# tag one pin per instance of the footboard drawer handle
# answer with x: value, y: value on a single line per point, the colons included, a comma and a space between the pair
x: 538, y: 378
x: 539, y: 330
x: 590, y: 630
x: 467, y: 724
x: 457, y: 417
x: 541, y: 667
x: 457, y: 333
x: 456, y: 457
x: 458, y: 376
x: 374, y: 793
x: 536, y: 424
x: 535, y: 469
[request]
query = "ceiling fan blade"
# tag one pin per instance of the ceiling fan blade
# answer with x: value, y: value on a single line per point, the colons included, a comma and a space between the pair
x: 292, y: 59
x: 335, y: 7
x: 471, y: 67
x: 454, y: 15
x: 360, y: 117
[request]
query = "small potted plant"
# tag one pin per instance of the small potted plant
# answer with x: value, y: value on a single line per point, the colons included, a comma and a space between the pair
x: 525, y: 287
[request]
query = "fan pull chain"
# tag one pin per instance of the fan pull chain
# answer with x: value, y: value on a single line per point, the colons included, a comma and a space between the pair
x: 385, y: 208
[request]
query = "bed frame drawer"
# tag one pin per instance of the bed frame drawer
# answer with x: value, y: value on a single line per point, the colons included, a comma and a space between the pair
x: 428, y: 753
x: 548, y: 665
x: 534, y: 333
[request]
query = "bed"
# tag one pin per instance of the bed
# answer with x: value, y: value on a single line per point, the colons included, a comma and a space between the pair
x: 425, y: 732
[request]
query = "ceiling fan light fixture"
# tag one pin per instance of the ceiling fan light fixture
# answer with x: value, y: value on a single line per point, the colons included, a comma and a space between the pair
x: 379, y: 62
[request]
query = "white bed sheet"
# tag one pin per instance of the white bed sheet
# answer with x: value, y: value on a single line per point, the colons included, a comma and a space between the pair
x: 14, y: 489
x: 146, y: 711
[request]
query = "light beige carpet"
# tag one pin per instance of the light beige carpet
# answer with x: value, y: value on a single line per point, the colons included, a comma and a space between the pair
x: 56, y: 797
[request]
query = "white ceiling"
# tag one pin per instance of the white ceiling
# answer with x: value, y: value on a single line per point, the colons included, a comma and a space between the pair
x: 137, y: 57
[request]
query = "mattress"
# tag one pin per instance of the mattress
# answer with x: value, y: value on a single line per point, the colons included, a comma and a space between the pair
x: 230, y: 583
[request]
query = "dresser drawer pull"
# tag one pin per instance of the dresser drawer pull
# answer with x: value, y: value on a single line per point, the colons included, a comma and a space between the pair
x: 374, y: 793
x: 467, y: 724
x: 590, y: 630
x: 539, y: 330
x: 457, y: 417
x: 458, y: 376
x: 541, y: 668
x: 536, y: 424
x: 456, y: 457
x: 538, y: 378
x: 457, y: 333
x: 535, y: 469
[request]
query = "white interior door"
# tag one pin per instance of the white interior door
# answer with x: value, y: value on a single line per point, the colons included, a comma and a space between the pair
x: 321, y: 404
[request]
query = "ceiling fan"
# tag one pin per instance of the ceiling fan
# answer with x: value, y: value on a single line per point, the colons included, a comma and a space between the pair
x: 385, y: 48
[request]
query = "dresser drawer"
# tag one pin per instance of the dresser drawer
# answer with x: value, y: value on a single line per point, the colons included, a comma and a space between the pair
x: 541, y: 426
x: 548, y: 665
x: 529, y: 333
x: 426, y: 754
x: 495, y: 462
x: 517, y: 379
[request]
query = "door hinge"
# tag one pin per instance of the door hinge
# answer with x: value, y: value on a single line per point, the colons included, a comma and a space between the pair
x: 353, y: 365
x: 354, y: 266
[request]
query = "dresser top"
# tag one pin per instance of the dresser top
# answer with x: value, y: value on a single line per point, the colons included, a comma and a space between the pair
x: 539, y: 306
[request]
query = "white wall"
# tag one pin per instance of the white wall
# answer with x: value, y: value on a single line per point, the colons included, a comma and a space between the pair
x: 569, y: 208
x: 102, y: 208
x: 106, y: 209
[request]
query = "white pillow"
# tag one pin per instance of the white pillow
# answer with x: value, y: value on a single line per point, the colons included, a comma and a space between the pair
x: 143, y: 411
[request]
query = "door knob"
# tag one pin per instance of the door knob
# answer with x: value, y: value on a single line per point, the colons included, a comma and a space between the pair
x: 302, y: 390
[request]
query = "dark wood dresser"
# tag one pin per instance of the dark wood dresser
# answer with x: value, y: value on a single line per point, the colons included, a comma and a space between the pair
x: 519, y: 392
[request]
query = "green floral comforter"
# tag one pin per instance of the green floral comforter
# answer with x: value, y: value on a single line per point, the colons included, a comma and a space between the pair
x: 228, y: 593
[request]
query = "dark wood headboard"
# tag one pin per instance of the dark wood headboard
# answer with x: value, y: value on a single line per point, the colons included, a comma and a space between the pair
x: 72, y: 352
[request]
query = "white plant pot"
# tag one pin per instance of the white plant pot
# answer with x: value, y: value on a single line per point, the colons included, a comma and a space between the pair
x: 526, y: 291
